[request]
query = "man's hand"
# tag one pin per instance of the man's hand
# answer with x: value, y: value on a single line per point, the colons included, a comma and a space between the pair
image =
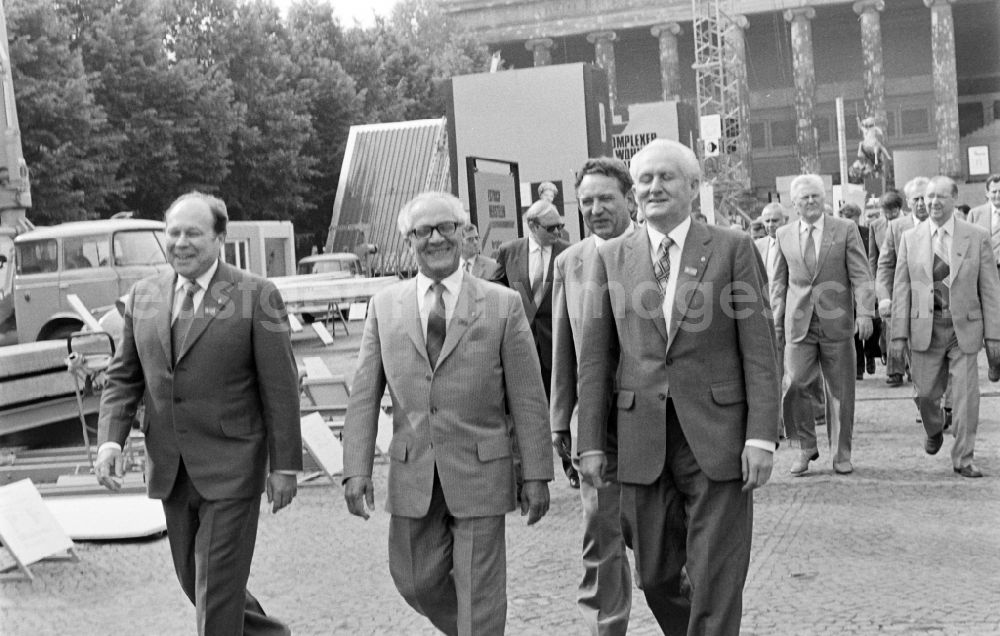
x: 898, y: 348
x: 993, y: 359
x: 885, y: 308
x: 592, y: 469
x: 562, y: 441
x: 281, y: 489
x: 534, y: 500
x: 757, y: 464
x: 110, y: 468
x: 863, y: 327
x: 359, y: 491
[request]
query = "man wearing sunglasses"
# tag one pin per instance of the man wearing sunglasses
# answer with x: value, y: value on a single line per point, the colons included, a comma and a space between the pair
x: 525, y: 265
x: 455, y: 354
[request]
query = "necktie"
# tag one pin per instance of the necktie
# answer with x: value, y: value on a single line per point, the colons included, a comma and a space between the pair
x: 661, y: 268
x: 538, y: 276
x: 809, y: 253
x: 772, y: 257
x: 436, y: 325
x: 941, y: 270
x: 179, y: 330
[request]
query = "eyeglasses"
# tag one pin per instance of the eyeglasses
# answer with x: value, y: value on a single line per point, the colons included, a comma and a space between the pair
x: 445, y: 229
x: 552, y: 229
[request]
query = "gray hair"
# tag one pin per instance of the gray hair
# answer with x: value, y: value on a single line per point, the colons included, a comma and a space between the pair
x: 404, y: 222
x: 537, y: 209
x: 689, y: 161
x: 914, y: 185
x: 943, y: 179
x: 220, y: 216
x: 807, y: 179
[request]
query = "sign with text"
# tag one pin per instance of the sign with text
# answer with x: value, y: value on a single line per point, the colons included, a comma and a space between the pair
x: 495, y: 207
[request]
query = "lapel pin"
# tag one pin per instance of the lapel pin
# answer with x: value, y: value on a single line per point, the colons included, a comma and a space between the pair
x: 690, y: 271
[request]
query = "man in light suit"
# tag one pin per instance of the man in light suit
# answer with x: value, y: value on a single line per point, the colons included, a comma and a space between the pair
x: 821, y: 295
x: 677, y: 332
x: 472, y: 260
x: 525, y: 265
x: 987, y: 215
x: 452, y: 350
x: 945, y: 304
x: 207, y: 347
x: 604, y: 192
x: 772, y: 217
x: 892, y: 207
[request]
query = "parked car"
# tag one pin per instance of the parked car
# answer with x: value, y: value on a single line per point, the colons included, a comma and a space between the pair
x: 345, y: 262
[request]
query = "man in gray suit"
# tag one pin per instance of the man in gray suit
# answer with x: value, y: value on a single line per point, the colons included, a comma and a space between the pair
x: 454, y: 352
x: 892, y: 207
x: 945, y: 304
x: 987, y: 215
x: 821, y: 282
x: 677, y: 342
x: 472, y: 260
x: 604, y: 192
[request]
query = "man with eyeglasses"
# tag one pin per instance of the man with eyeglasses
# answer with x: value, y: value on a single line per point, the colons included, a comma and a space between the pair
x: 987, y: 215
x: 455, y: 354
x: 525, y: 265
x: 472, y: 261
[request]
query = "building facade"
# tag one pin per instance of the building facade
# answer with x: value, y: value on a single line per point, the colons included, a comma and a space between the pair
x: 926, y: 71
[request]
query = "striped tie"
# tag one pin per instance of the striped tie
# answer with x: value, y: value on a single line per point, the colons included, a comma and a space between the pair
x: 661, y: 268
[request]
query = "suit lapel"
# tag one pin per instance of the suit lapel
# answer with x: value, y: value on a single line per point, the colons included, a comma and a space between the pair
x: 409, y: 314
x: 523, y: 277
x: 216, y: 298
x: 959, y: 249
x: 639, y: 269
x: 163, y: 313
x: 829, y: 229
x: 467, y: 309
x: 694, y: 260
x: 924, y: 255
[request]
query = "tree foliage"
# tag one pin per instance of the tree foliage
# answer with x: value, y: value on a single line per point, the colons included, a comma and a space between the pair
x: 124, y: 104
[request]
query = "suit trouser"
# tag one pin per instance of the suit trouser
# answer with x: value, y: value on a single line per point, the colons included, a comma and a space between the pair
x: 212, y: 543
x: 803, y: 362
x: 932, y: 369
x: 686, y: 518
x: 605, y: 593
x: 869, y: 349
x: 453, y: 570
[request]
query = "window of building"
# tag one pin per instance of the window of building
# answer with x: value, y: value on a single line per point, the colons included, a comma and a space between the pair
x: 970, y: 117
x: 914, y: 121
x: 782, y: 133
x: 758, y: 134
x: 890, y: 127
x: 996, y: 109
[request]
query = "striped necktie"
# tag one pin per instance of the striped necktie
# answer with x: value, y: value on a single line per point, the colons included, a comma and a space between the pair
x: 661, y: 268
x: 436, y: 325
x: 182, y: 324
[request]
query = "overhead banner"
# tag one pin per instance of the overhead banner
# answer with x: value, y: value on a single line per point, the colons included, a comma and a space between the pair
x: 495, y: 208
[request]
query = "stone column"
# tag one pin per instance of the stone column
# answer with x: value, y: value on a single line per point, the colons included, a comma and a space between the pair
x: 542, y: 48
x: 670, y: 66
x: 805, y: 86
x: 945, y: 87
x: 604, y: 55
x: 871, y: 55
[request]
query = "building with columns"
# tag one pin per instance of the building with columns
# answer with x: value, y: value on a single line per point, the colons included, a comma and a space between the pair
x: 927, y: 71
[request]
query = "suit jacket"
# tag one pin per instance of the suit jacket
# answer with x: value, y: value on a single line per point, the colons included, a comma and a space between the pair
x: 841, y: 285
x: 484, y: 267
x: 865, y: 233
x: 887, y: 257
x: 449, y: 418
x: 717, y: 363
x: 512, y: 271
x: 876, y: 234
x: 230, y: 405
x: 982, y: 215
x: 974, y: 291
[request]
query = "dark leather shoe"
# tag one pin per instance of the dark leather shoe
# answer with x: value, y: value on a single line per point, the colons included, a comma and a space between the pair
x: 947, y: 419
x: 894, y: 379
x: 933, y: 443
x: 801, y: 463
x: 574, y: 481
x: 969, y: 471
x: 860, y: 376
x: 870, y: 366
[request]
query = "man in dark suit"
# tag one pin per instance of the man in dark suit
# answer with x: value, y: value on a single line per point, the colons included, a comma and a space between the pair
x: 987, y: 215
x: 678, y: 324
x: 945, y: 305
x: 821, y: 295
x: 892, y: 207
x: 866, y: 352
x: 472, y: 260
x: 525, y: 265
x: 455, y: 352
x: 207, y: 346
x: 604, y: 193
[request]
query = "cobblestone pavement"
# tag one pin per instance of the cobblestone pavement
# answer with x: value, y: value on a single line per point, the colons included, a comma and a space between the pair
x: 902, y: 546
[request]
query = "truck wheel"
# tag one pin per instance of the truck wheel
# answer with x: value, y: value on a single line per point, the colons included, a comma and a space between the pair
x: 60, y: 331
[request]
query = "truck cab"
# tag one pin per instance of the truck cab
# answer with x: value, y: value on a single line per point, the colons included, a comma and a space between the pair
x: 99, y: 261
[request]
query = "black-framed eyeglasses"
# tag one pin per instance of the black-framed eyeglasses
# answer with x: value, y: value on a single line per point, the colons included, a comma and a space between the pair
x: 447, y: 228
x: 552, y: 229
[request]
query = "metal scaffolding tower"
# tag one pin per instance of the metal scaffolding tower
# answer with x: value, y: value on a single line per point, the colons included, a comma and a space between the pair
x: 720, y: 67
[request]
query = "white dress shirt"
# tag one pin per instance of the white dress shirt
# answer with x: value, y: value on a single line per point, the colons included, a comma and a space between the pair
x: 678, y: 235
x: 817, y: 235
x: 538, y: 259
x: 425, y: 296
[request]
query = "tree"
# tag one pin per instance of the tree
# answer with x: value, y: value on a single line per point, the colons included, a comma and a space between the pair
x: 72, y: 152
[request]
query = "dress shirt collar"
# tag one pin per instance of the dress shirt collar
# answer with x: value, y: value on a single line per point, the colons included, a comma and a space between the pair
x: 533, y: 245
x: 202, y: 280
x: 804, y: 227
x: 678, y: 235
x: 452, y: 283
x: 949, y: 226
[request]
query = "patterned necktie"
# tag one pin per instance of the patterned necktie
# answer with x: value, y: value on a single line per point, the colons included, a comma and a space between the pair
x: 809, y: 252
x: 436, y: 325
x: 179, y: 330
x: 941, y: 270
x: 661, y: 268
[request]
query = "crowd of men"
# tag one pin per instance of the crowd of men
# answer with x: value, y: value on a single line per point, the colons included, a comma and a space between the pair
x: 662, y: 357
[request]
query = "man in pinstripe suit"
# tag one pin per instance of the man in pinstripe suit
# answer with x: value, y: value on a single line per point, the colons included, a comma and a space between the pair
x: 452, y: 349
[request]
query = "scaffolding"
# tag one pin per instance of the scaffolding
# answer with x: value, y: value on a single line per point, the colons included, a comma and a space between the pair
x: 720, y: 68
